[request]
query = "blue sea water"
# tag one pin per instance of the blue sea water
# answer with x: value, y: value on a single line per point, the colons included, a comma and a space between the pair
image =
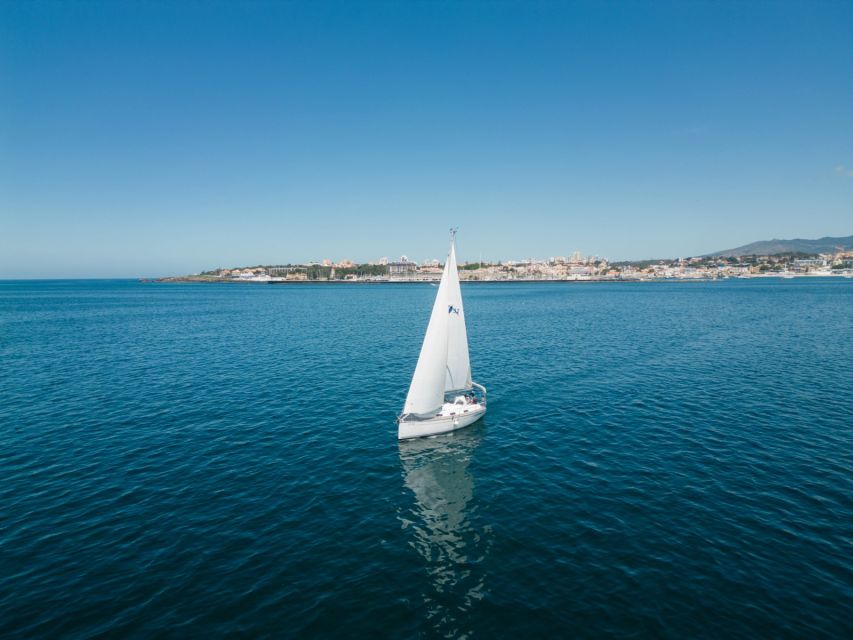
x: 658, y: 460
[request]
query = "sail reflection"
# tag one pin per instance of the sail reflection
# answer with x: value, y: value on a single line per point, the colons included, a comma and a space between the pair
x: 444, y: 526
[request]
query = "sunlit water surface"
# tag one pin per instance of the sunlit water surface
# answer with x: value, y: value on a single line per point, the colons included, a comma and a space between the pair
x: 658, y: 459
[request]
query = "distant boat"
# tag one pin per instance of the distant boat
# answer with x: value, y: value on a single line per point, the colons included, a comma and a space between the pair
x: 442, y: 396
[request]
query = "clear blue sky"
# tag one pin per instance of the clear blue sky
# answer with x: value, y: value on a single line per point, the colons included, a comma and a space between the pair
x: 152, y: 138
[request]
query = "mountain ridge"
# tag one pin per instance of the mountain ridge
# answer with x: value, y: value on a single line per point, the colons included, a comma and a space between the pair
x: 827, y: 244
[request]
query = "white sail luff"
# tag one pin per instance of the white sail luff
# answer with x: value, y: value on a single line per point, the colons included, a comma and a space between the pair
x: 426, y: 393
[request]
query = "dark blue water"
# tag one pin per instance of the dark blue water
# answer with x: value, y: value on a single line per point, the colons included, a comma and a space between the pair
x: 658, y: 460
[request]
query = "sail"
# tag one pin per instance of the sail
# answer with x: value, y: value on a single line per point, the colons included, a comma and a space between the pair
x: 443, y: 364
x: 458, y: 364
x: 426, y: 393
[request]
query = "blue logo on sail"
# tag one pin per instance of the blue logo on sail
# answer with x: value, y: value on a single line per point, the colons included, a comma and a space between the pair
x: 452, y: 309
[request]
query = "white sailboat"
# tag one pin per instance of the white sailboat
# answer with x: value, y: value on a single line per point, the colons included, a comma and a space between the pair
x: 442, y: 396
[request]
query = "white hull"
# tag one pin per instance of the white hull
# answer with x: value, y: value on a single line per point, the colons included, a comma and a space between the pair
x: 440, y: 424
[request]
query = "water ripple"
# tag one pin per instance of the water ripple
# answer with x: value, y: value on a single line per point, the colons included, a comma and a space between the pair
x: 658, y: 461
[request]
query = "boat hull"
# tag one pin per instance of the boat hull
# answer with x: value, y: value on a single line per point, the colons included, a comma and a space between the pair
x: 440, y: 424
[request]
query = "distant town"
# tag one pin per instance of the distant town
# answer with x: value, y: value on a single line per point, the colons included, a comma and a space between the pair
x: 576, y: 267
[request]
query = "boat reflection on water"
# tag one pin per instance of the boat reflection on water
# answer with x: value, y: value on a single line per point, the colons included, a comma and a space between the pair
x: 443, y: 525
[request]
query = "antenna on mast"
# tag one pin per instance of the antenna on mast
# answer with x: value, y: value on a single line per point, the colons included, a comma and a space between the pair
x: 453, y: 231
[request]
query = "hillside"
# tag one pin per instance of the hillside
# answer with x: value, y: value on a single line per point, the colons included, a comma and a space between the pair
x: 771, y: 247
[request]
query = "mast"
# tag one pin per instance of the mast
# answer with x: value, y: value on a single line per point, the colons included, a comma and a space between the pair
x: 458, y: 376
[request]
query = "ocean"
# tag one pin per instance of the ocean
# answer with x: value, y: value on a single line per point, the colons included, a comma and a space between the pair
x: 658, y: 460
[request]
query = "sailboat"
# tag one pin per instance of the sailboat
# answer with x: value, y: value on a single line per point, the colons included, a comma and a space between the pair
x: 442, y: 396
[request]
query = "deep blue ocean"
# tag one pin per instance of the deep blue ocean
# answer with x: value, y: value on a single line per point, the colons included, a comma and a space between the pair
x: 658, y: 460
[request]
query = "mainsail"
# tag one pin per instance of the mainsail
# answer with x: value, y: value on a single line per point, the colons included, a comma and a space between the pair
x: 443, y: 364
x: 458, y: 365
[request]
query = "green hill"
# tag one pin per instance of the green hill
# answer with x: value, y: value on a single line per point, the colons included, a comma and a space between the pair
x: 772, y: 247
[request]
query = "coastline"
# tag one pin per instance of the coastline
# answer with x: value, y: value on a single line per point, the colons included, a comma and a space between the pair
x: 283, y: 281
